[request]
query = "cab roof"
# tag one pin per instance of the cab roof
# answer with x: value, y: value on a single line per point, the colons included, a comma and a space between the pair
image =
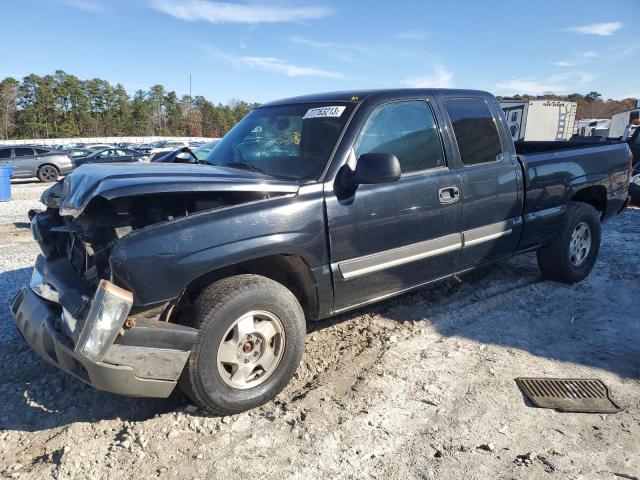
x: 356, y: 96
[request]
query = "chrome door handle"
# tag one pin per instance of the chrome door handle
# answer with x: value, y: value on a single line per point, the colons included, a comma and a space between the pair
x: 449, y: 195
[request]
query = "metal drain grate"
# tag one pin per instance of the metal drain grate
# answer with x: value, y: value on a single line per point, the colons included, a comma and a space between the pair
x: 569, y: 394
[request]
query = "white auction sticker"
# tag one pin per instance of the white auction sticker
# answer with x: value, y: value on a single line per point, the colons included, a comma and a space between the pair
x: 324, y: 112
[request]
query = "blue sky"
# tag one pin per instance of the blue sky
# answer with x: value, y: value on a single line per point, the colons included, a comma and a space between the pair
x: 259, y: 51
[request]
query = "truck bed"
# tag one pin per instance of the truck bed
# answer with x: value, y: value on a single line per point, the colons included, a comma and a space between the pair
x: 557, y: 172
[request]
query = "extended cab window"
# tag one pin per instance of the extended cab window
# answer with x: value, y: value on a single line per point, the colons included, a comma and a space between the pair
x: 475, y: 130
x: 408, y: 131
x: 5, y: 152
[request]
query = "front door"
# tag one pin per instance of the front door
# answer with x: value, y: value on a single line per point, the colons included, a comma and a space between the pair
x: 491, y: 201
x: 390, y: 237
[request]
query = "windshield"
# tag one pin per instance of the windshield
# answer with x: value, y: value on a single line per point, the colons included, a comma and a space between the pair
x: 203, y: 151
x: 287, y: 141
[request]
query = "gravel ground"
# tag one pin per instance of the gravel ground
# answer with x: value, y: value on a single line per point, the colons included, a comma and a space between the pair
x: 418, y: 387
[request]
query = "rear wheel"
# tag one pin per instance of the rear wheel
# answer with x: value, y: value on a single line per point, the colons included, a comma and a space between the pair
x: 571, y: 257
x: 250, y: 343
x: 48, y: 173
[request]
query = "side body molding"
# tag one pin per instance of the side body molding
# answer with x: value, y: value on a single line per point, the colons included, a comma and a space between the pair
x: 357, y: 267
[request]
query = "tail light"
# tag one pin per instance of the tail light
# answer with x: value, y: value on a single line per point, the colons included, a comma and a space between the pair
x: 630, y: 154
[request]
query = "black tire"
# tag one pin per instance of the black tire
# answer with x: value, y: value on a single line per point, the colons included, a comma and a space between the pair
x: 555, y: 260
x: 48, y: 173
x: 216, y: 311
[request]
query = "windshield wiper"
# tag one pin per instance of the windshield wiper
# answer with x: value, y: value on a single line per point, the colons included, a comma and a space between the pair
x: 245, y: 166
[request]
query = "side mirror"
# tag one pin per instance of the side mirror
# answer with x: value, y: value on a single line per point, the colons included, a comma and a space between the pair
x: 374, y: 168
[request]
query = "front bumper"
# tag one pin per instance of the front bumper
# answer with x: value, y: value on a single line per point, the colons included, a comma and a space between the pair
x: 130, y: 367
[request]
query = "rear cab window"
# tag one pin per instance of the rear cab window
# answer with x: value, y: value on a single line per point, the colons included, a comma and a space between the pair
x: 475, y: 130
x: 406, y: 129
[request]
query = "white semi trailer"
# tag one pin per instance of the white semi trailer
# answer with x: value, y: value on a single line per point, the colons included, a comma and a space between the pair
x: 540, y: 120
x: 620, y: 122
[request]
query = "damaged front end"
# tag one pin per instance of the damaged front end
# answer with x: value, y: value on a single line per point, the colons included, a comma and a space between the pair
x: 79, y: 311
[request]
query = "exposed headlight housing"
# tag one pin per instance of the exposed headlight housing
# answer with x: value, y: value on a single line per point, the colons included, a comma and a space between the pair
x: 636, y: 180
x: 42, y: 289
x: 109, y: 309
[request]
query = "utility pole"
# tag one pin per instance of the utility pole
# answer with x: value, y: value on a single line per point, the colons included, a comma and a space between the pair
x: 189, y: 110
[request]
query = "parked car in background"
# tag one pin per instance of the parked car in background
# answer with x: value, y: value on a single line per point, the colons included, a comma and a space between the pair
x: 97, y: 146
x: 78, y: 152
x: 109, y: 155
x: 44, y: 163
x: 180, y: 155
x: 153, y: 150
x: 203, y: 151
x: 207, y: 274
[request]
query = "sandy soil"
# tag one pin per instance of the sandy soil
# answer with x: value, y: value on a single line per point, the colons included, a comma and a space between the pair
x: 419, y: 387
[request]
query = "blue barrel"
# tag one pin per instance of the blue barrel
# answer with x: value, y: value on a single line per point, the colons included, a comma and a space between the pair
x: 6, y: 171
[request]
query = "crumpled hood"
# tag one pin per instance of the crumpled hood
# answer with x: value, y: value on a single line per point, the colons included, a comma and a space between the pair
x: 73, y: 194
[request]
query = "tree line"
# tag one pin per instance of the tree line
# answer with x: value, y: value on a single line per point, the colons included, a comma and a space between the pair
x: 590, y: 105
x: 62, y: 105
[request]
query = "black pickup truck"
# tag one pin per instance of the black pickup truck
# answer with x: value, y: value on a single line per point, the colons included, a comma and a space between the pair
x: 204, y: 274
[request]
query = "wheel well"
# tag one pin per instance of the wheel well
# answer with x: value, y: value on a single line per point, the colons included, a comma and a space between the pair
x: 596, y: 196
x: 48, y: 165
x: 289, y: 270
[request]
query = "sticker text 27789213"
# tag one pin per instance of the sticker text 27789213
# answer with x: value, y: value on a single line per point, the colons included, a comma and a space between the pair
x: 334, y: 111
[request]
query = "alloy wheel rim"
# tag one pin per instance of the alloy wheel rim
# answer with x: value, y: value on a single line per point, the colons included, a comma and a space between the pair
x: 251, y: 350
x: 580, y: 244
x: 48, y: 173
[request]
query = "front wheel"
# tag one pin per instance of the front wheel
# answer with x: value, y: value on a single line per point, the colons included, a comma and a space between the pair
x: 571, y: 257
x: 250, y: 342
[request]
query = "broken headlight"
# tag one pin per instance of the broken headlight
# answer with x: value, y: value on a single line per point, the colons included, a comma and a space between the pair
x: 109, y: 309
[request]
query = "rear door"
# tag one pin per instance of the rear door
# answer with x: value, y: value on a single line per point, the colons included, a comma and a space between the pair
x: 490, y: 177
x: 390, y: 237
x: 24, y: 161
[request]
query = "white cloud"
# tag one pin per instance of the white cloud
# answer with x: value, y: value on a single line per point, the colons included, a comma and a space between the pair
x: 277, y: 65
x: 564, y: 64
x: 588, y: 54
x: 271, y: 64
x: 585, y: 77
x: 249, y: 13
x: 531, y: 86
x: 440, y: 78
x: 541, y: 85
x: 625, y: 52
x: 342, y: 51
x: 86, y: 5
x: 603, y: 29
x: 413, y: 35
